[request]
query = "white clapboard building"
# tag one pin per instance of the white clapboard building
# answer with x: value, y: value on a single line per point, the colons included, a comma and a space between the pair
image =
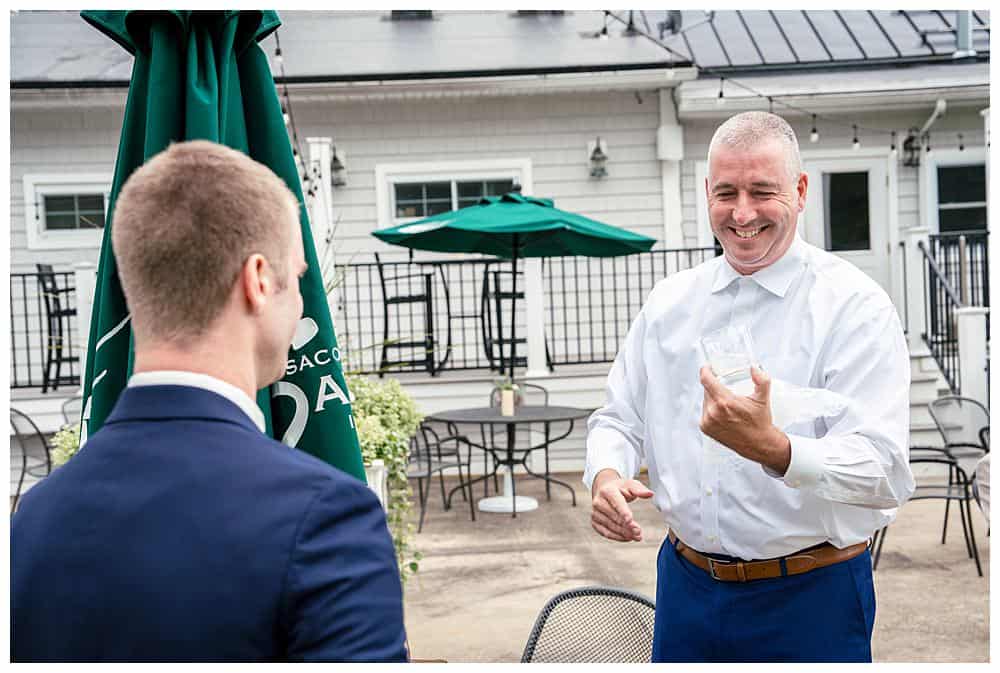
x: 404, y: 114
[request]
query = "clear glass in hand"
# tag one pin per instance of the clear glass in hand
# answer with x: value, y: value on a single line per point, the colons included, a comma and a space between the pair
x: 729, y: 352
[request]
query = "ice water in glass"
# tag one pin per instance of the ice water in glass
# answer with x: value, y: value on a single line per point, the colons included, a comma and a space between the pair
x: 729, y: 352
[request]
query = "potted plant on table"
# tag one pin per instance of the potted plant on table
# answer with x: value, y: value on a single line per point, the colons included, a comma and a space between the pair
x: 507, y: 396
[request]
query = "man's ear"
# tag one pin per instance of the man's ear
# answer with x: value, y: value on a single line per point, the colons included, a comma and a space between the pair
x: 255, y: 282
x: 802, y: 189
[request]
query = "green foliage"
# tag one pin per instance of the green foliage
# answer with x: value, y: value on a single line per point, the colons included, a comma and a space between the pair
x: 65, y: 444
x: 386, y: 418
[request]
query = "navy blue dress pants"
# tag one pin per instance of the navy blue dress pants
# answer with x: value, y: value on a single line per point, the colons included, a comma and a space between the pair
x: 825, y: 615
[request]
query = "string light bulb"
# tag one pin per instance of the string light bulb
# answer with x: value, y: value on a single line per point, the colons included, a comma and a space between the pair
x: 278, y: 58
x: 721, y: 100
x: 285, y: 115
x: 814, y: 134
x: 855, y: 144
x: 927, y: 143
x: 892, y: 144
x: 961, y: 143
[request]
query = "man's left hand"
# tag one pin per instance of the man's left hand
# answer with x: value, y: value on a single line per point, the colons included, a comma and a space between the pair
x: 744, y: 424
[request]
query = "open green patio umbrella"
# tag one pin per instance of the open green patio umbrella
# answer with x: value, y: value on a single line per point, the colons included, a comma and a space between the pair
x: 202, y: 75
x: 514, y: 226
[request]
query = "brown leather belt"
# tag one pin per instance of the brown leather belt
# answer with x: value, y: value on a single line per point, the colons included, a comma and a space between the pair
x: 748, y: 571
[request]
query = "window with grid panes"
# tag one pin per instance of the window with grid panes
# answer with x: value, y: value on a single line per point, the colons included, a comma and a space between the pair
x: 64, y: 212
x: 423, y: 199
x: 961, y: 198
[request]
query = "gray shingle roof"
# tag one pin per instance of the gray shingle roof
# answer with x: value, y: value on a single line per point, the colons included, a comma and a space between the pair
x: 56, y: 48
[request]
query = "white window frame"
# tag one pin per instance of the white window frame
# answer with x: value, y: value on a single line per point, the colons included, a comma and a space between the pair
x: 38, y: 185
x: 929, y: 180
x: 388, y: 175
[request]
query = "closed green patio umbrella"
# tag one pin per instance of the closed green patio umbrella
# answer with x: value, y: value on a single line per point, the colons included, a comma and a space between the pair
x: 202, y: 75
x: 514, y: 226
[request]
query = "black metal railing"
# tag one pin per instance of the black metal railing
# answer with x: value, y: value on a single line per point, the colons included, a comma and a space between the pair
x: 940, y: 321
x: 946, y: 249
x: 35, y: 338
x: 462, y: 321
x: 591, y: 301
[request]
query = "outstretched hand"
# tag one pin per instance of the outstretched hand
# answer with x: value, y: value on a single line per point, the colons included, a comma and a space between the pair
x: 610, y: 514
x: 744, y: 424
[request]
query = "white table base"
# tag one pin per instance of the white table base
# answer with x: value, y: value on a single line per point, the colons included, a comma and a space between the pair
x: 504, y: 504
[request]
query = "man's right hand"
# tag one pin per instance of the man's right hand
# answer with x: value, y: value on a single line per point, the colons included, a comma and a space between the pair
x: 610, y: 514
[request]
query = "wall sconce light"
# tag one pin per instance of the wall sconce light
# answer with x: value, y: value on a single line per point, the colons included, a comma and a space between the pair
x: 598, y: 151
x: 337, y: 178
x: 911, y: 149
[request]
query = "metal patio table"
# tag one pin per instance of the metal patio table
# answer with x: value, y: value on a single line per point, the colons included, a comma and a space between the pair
x: 510, y: 455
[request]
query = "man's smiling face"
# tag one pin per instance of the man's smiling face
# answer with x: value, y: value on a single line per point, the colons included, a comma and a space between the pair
x: 753, y: 203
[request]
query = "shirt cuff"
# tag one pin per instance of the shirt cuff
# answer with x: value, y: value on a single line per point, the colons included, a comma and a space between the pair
x: 605, y: 450
x: 806, y: 465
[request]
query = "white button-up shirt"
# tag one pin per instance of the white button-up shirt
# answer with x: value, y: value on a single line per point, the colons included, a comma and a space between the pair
x: 816, y: 321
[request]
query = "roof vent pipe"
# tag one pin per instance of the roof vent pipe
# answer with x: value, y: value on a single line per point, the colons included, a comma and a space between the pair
x: 963, y: 35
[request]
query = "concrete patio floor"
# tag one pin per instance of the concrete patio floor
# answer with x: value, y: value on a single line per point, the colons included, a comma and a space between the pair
x: 482, y: 584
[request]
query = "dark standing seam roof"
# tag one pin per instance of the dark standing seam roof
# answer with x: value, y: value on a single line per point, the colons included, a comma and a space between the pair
x: 745, y: 40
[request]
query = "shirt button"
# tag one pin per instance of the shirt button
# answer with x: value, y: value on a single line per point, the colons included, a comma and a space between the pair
x: 708, y: 491
x: 711, y: 538
x: 794, y: 484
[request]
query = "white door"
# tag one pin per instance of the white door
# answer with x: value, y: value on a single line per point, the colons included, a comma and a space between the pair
x: 847, y: 212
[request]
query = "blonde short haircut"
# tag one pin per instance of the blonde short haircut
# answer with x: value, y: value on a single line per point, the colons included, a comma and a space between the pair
x: 748, y: 129
x: 185, y: 223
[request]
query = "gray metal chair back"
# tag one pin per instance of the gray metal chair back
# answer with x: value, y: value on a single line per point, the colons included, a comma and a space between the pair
x: 959, y: 420
x: 72, y: 410
x: 29, y: 453
x: 593, y: 625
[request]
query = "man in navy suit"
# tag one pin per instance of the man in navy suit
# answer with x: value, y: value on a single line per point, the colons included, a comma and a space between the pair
x: 181, y: 532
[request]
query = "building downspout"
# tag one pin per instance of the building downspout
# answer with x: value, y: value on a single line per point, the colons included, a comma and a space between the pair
x: 670, y: 152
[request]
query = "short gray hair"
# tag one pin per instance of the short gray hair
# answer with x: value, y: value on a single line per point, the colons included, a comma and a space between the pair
x: 747, y: 129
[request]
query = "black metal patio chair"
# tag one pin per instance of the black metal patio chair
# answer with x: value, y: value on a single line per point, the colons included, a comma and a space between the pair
x: 30, y: 454
x: 58, y: 347
x: 497, y: 307
x: 72, y: 410
x: 432, y: 451
x: 408, y: 290
x: 593, y: 625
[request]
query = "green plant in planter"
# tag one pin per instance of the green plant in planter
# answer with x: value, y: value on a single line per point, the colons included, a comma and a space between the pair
x: 65, y: 444
x: 499, y: 386
x: 386, y: 418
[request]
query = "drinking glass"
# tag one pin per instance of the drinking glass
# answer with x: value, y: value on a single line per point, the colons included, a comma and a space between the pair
x: 729, y: 352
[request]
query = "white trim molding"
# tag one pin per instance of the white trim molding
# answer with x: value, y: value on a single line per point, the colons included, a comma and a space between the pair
x: 387, y: 175
x: 929, y: 180
x: 37, y: 185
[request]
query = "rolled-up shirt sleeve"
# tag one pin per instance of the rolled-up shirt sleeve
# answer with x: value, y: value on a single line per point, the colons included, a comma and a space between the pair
x: 863, y: 456
x: 615, y: 431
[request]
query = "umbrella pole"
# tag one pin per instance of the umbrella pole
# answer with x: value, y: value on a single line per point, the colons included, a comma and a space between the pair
x: 513, y: 306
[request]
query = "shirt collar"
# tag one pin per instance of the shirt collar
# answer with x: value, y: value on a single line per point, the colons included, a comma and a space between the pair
x: 775, y: 278
x: 205, y: 382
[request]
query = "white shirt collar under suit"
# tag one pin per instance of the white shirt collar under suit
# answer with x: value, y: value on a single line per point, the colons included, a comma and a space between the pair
x: 205, y: 382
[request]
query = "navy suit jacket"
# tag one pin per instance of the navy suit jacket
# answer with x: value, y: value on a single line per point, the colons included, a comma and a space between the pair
x: 180, y: 532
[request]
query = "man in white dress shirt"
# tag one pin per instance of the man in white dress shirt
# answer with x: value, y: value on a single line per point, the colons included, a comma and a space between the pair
x: 766, y: 557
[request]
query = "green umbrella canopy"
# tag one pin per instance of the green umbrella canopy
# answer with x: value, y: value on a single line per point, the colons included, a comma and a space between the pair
x: 535, y: 226
x: 202, y: 75
x: 514, y: 226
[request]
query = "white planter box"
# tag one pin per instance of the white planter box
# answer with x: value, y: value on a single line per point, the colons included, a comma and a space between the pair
x: 377, y: 476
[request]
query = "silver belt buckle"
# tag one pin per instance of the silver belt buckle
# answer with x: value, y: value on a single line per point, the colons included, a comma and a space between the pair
x: 711, y: 567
